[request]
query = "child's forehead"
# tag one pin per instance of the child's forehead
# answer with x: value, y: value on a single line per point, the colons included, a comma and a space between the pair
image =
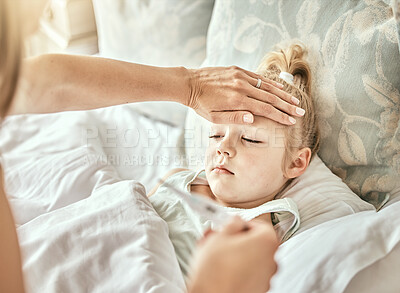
x: 260, y: 123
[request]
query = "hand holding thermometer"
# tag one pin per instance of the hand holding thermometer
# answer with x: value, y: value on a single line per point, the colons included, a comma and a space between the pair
x: 203, y: 206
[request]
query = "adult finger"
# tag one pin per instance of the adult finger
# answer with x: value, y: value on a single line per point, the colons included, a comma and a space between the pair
x: 277, y: 102
x: 276, y: 87
x: 254, y: 78
x: 267, y: 110
x: 267, y: 87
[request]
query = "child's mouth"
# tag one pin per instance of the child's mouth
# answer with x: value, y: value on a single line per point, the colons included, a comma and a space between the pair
x: 222, y: 170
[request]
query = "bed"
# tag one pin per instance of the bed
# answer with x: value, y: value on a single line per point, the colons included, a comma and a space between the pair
x: 77, y: 180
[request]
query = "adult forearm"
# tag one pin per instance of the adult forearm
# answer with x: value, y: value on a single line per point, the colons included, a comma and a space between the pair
x: 53, y: 83
x: 11, y: 279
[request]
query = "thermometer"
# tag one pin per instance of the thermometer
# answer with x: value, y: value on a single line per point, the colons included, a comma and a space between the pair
x: 203, y: 206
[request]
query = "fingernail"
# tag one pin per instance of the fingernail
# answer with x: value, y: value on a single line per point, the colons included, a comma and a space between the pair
x: 300, y: 111
x: 248, y: 118
x: 295, y: 100
x: 292, y: 120
x: 279, y: 85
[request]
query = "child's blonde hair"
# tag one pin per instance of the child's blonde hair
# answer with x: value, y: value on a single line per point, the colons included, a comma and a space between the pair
x: 305, y: 133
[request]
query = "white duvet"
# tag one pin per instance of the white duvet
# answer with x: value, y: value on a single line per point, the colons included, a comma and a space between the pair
x: 82, y: 226
x: 76, y: 182
x: 112, y: 241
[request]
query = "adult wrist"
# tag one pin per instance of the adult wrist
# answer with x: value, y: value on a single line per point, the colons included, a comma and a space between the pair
x: 193, y: 88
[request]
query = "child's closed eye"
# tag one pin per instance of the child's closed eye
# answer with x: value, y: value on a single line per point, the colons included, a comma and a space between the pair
x: 251, y: 140
x: 216, y: 136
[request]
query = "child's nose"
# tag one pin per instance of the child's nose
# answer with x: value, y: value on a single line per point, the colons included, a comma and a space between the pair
x: 226, y: 148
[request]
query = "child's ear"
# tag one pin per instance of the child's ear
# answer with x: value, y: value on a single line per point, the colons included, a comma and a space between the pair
x: 299, y: 163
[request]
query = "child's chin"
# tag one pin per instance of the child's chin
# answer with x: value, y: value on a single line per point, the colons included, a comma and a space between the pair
x: 223, y: 192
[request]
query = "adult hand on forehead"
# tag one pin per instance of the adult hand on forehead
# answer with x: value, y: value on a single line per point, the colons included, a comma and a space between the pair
x: 228, y: 95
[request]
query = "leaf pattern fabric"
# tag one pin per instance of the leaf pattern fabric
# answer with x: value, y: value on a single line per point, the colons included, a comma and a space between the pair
x: 354, y: 56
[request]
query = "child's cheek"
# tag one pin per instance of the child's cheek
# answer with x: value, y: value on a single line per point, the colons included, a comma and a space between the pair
x: 250, y: 164
x: 255, y: 168
x: 209, y: 155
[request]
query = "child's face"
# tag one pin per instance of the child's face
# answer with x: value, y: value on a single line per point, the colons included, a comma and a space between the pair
x: 253, y: 154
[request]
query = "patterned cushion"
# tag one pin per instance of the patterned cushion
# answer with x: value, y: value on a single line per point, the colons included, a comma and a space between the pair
x: 396, y: 10
x: 354, y: 56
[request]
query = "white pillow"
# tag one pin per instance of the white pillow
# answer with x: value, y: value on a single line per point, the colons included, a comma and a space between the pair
x: 154, y: 32
x: 319, y: 194
x: 379, y: 276
x: 327, y: 257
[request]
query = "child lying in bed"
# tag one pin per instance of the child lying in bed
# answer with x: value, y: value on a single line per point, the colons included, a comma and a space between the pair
x: 247, y: 166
